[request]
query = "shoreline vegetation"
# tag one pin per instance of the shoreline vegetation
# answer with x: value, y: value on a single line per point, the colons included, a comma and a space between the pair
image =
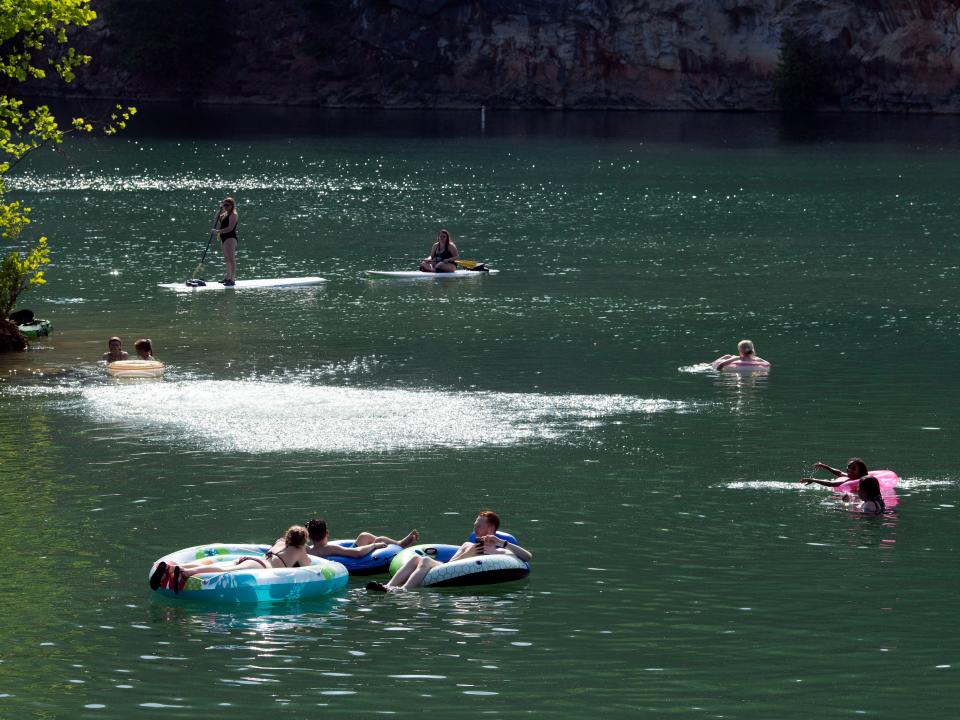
x: 898, y: 56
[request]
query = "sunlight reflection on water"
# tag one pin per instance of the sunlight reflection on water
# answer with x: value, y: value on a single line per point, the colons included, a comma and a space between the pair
x: 254, y: 416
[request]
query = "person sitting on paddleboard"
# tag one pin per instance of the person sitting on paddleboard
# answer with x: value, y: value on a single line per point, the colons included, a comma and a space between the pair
x: 745, y: 348
x: 115, y: 350
x: 443, y: 255
x: 485, y: 528
x: 227, y: 231
x: 144, y: 348
x: 365, y: 543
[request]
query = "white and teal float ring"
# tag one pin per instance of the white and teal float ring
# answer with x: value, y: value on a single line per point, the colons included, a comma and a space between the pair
x: 477, y: 570
x: 322, y: 577
x: 37, y: 328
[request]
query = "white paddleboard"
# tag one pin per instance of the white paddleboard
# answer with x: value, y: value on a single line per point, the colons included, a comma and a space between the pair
x: 420, y: 275
x: 136, y: 368
x: 246, y: 284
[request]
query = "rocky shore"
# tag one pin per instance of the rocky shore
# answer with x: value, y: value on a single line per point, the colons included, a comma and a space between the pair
x: 856, y: 55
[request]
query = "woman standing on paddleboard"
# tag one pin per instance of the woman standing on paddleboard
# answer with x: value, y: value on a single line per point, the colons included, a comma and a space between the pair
x: 227, y: 230
x: 443, y: 255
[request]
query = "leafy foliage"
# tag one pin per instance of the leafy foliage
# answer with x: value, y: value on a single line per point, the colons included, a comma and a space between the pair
x: 19, y: 273
x: 34, y: 40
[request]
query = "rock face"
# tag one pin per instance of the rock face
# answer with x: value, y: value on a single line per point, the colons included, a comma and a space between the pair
x: 11, y: 339
x: 867, y: 55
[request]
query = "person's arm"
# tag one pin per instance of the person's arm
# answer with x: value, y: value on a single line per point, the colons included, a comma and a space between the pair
x: 352, y: 552
x: 456, y: 253
x: 279, y: 545
x: 723, y: 361
x: 520, y: 552
x: 825, y: 483
x: 464, y: 549
x: 832, y: 471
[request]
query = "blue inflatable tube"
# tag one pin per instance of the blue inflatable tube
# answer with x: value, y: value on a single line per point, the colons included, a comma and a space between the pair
x: 375, y: 563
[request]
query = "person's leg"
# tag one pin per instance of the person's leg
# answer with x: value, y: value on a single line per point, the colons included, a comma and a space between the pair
x: 404, y: 572
x: 222, y: 567
x: 445, y: 267
x: 230, y: 257
x: 415, y: 579
x: 365, y: 538
x: 410, y: 568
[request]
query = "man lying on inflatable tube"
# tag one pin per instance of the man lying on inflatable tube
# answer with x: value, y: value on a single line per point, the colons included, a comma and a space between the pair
x: 485, y: 527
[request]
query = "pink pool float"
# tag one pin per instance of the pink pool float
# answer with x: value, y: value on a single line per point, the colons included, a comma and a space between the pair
x: 745, y: 360
x: 888, y: 480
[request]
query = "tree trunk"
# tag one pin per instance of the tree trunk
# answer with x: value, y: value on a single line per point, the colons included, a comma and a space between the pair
x: 11, y: 339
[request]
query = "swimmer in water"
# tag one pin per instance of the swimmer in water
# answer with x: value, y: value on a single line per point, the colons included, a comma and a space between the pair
x: 746, y: 352
x: 115, y: 350
x: 144, y: 348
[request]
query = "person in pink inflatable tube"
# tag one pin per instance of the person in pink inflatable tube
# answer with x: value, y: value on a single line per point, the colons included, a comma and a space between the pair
x: 868, y: 488
x: 747, y: 356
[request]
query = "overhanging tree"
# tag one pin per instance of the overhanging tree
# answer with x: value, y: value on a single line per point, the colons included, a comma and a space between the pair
x: 34, y: 42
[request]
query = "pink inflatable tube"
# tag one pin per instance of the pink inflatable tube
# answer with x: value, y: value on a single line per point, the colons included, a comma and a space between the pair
x: 742, y: 365
x: 888, y: 480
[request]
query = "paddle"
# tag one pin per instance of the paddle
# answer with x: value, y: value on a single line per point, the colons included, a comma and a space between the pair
x: 193, y: 281
x: 472, y: 265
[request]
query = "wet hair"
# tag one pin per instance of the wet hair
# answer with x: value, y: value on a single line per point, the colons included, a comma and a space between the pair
x: 114, y: 338
x: 870, y: 487
x: 861, y: 465
x: 296, y: 536
x: 317, y: 529
x: 144, y: 344
x: 745, y: 347
x: 491, y: 517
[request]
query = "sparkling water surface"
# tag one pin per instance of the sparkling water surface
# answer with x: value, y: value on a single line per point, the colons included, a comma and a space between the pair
x: 679, y: 571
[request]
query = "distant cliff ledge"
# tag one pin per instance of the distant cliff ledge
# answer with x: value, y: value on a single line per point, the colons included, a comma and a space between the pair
x: 862, y: 55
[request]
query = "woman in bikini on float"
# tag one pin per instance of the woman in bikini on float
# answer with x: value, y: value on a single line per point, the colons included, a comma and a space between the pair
x: 290, y: 551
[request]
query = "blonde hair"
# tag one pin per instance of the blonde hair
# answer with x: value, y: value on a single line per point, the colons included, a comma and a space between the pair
x: 745, y: 347
x: 296, y: 536
x: 223, y: 211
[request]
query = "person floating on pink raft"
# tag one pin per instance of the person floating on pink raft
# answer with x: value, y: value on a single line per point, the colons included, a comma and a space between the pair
x: 746, y: 359
x: 874, y: 490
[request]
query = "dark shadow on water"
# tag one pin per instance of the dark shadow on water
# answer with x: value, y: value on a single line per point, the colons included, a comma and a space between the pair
x: 695, y: 129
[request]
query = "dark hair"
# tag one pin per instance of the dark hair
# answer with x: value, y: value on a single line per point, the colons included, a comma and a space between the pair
x: 870, y: 487
x: 491, y: 517
x: 316, y: 529
x: 144, y: 344
x: 861, y: 465
x: 296, y: 536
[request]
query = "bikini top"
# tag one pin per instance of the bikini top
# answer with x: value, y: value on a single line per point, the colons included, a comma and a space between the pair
x: 271, y: 554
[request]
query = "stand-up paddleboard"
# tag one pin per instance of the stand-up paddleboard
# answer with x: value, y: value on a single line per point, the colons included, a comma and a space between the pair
x: 136, y: 368
x: 247, y: 284
x: 420, y: 275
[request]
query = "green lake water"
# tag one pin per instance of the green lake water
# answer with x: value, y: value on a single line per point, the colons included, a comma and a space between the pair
x: 679, y: 568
